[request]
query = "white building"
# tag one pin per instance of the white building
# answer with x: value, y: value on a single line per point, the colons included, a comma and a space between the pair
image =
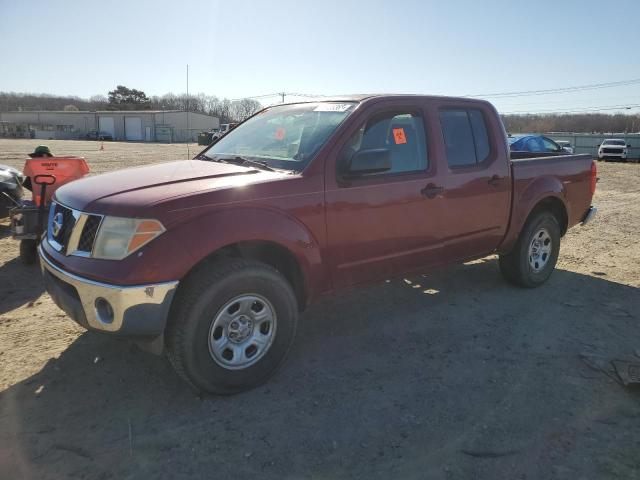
x: 122, y: 125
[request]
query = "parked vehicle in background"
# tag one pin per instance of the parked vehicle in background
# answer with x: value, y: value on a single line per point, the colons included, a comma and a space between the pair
x: 11, y: 190
x: 566, y: 146
x: 96, y: 135
x: 224, y: 129
x: 535, y: 143
x: 213, y: 259
x: 613, y: 148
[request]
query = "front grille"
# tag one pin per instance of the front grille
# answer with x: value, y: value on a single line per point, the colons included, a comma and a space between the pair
x: 88, y: 235
x: 72, y: 232
x: 612, y: 150
x: 63, y: 216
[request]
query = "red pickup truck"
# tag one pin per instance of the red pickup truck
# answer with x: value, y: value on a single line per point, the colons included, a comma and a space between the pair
x: 213, y: 259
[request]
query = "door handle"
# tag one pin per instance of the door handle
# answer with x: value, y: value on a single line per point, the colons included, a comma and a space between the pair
x: 495, y: 180
x: 431, y: 190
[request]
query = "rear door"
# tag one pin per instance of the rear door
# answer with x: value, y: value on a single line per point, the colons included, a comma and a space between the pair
x: 477, y: 184
x: 385, y: 223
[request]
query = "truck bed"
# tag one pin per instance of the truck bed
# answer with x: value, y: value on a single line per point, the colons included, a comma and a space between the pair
x: 566, y: 177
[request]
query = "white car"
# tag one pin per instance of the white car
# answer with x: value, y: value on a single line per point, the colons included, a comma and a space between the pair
x: 566, y: 146
x: 613, y: 148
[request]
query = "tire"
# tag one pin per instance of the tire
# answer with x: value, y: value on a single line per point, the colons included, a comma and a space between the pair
x: 28, y: 251
x: 530, y: 265
x: 201, y: 311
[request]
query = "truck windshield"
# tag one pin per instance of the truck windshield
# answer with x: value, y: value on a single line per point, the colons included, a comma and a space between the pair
x: 285, y: 137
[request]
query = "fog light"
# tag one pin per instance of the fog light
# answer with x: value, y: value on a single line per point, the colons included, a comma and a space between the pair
x: 104, y: 311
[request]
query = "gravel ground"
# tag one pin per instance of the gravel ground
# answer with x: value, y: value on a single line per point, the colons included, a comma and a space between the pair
x: 448, y: 375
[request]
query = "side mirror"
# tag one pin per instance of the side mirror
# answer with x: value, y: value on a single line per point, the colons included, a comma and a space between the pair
x: 374, y: 160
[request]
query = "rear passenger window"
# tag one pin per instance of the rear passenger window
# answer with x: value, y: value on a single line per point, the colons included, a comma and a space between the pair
x: 480, y: 135
x: 465, y: 136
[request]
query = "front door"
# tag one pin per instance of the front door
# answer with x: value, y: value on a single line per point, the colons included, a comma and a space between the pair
x: 387, y: 222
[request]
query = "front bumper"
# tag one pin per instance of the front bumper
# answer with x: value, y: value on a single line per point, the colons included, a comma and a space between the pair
x: 140, y: 310
x: 622, y: 156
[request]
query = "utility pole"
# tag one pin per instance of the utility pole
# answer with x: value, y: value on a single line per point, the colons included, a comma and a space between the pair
x: 188, y: 131
x: 283, y: 94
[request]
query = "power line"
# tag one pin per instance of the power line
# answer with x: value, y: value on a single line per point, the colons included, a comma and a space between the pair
x: 560, y: 102
x: 514, y: 94
x: 281, y: 94
x: 577, y: 110
x: 310, y: 95
x: 257, y: 96
x: 579, y: 88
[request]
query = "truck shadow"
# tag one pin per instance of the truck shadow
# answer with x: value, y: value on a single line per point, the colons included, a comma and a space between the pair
x: 19, y: 284
x: 394, y: 380
x: 5, y: 230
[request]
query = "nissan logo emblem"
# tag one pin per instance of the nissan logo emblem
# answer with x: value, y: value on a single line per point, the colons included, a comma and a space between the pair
x: 56, y: 224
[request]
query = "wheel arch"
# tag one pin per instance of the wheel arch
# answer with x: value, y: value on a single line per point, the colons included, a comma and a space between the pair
x: 262, y: 233
x: 556, y: 207
x: 265, y: 251
x: 545, y: 194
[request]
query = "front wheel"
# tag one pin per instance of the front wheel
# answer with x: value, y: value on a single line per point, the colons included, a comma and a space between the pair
x: 533, y: 258
x: 232, y: 325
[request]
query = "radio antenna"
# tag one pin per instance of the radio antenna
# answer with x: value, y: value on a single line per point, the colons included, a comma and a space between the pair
x: 188, y: 130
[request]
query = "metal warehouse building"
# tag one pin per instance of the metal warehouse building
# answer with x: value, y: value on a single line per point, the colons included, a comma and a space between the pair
x: 125, y: 125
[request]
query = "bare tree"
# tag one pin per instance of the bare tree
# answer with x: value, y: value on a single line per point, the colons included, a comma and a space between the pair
x: 243, y: 109
x: 98, y: 102
x: 575, y: 123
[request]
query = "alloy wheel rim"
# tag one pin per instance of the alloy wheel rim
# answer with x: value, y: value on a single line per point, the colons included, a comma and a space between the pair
x: 242, y: 331
x: 540, y: 250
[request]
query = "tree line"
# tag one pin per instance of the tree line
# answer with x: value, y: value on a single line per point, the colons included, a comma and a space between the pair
x: 574, y: 123
x: 123, y: 98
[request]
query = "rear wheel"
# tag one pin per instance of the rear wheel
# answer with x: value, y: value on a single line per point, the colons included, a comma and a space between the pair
x: 534, y: 256
x: 232, y: 325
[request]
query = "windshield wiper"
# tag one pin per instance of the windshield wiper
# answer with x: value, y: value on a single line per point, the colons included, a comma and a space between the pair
x: 237, y: 160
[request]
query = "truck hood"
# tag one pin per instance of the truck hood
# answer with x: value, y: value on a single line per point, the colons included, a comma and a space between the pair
x: 132, y: 188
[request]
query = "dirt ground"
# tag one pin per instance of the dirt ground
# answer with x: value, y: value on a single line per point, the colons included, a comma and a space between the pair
x: 448, y: 375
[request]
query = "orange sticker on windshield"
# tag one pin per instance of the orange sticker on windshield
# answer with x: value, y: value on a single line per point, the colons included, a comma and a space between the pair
x: 280, y: 134
x: 398, y: 136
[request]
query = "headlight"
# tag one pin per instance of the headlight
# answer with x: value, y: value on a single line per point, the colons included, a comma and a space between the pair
x: 119, y: 237
x: 8, y: 180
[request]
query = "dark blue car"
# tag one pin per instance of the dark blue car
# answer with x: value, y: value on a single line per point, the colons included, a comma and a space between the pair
x: 534, y: 143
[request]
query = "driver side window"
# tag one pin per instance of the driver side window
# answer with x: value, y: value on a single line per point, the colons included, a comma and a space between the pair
x: 401, y: 133
x: 550, y: 146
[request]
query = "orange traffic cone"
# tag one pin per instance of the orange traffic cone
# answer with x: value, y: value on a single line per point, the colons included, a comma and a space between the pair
x: 102, y: 146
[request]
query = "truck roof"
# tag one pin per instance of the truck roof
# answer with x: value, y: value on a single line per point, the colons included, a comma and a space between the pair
x: 359, y: 97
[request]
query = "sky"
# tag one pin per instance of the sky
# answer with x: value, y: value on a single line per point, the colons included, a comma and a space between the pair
x: 238, y: 48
